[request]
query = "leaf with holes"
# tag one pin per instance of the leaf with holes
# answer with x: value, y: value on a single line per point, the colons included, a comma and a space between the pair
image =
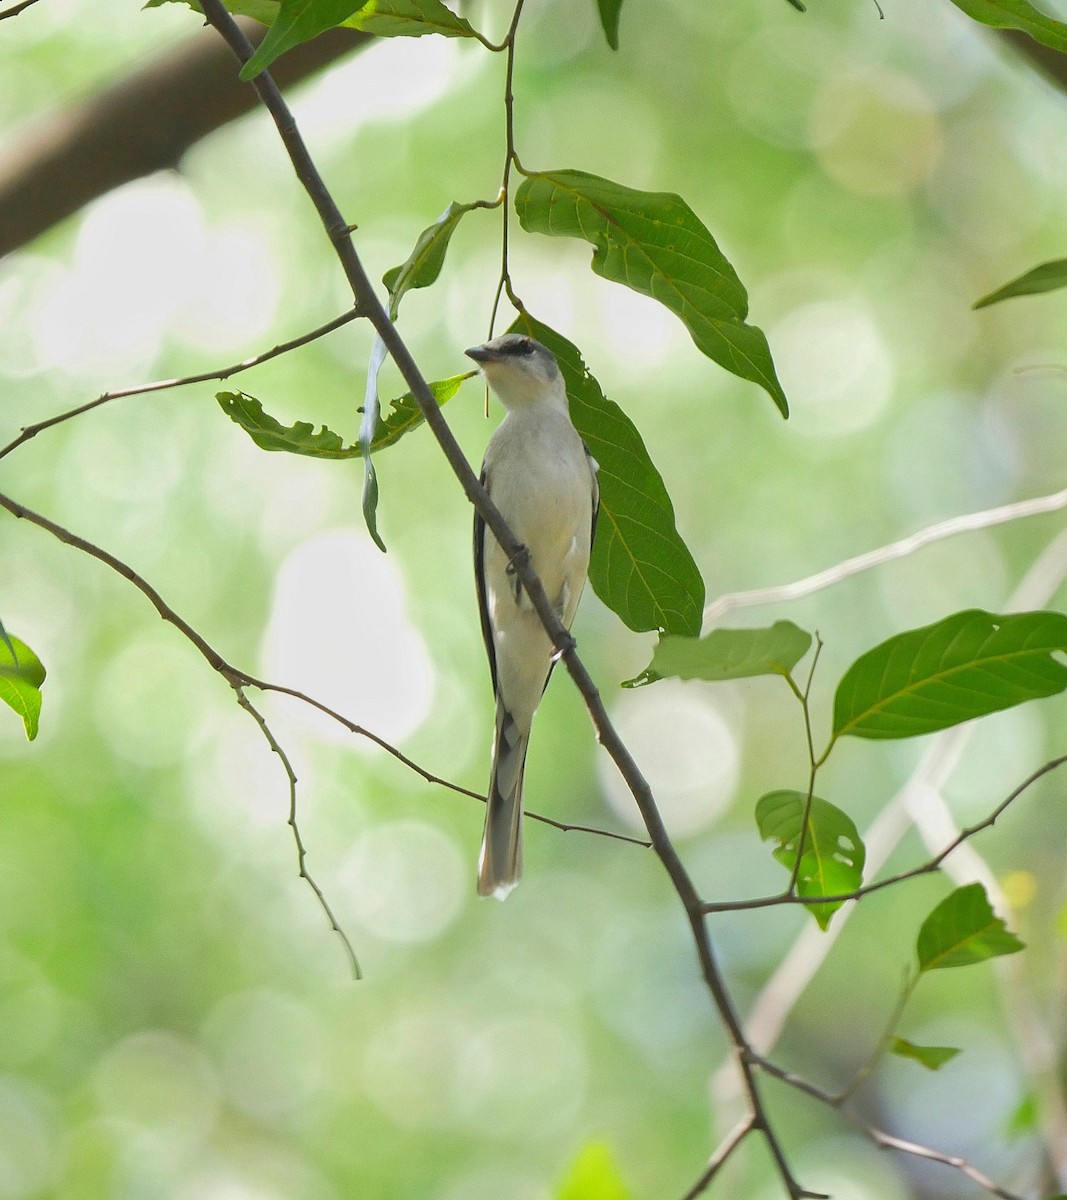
x: 1048, y: 277
x: 1018, y: 14
x: 968, y: 665
x: 933, y: 1058
x: 962, y: 930
x: 732, y: 653
x: 654, y: 243
x: 268, y: 433
x: 640, y: 568
x: 21, y: 676
x: 833, y: 856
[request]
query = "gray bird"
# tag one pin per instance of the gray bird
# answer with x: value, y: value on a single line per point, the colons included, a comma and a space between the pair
x: 542, y: 478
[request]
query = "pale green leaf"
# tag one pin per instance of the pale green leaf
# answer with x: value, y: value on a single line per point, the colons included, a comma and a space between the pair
x: 409, y: 18
x: 732, y: 653
x: 931, y: 1057
x: 593, y: 1176
x: 21, y: 676
x: 963, y: 929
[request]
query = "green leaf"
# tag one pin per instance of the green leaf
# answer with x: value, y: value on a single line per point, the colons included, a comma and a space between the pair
x: 967, y: 665
x: 301, y: 438
x: 297, y: 21
x: 654, y: 243
x: 7, y: 641
x: 593, y: 1176
x: 269, y: 433
x: 610, y: 11
x: 1025, y: 1117
x: 732, y: 653
x: 962, y: 930
x: 409, y: 18
x: 931, y: 1057
x: 1045, y: 278
x: 21, y: 676
x: 1017, y: 14
x: 640, y: 568
x: 426, y: 260
x: 405, y: 414
x: 833, y: 856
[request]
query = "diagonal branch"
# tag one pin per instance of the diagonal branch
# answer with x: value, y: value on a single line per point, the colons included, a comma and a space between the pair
x: 367, y: 300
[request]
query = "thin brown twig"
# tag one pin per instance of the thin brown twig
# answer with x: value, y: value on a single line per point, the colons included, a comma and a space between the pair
x: 926, y: 868
x: 301, y: 850
x: 887, y: 1141
x: 16, y: 9
x: 160, y: 385
x: 722, y: 1152
x: 510, y: 157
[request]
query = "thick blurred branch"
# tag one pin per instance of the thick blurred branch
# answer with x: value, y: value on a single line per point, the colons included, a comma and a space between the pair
x: 142, y: 123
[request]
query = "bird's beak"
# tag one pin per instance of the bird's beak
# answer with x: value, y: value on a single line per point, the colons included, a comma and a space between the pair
x: 480, y: 354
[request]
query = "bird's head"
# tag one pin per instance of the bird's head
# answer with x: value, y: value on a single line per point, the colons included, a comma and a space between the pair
x: 519, y: 370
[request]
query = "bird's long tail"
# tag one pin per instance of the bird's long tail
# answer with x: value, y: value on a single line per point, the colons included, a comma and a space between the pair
x: 500, y: 860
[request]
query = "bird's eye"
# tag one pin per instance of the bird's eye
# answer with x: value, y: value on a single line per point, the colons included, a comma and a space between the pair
x: 524, y: 347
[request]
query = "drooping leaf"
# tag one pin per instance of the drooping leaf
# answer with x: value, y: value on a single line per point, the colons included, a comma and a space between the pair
x: 732, y: 653
x: 297, y: 21
x: 967, y: 665
x: 403, y: 416
x: 409, y: 18
x: 831, y: 863
x: 1045, y: 278
x: 21, y: 676
x: 933, y: 1058
x: 425, y: 262
x: 610, y: 10
x: 368, y: 426
x: 593, y: 1176
x: 1018, y: 14
x: 963, y: 929
x: 654, y: 243
x: 640, y: 567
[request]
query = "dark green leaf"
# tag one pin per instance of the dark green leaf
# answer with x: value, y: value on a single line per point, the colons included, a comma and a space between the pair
x: 640, y: 568
x: 21, y: 676
x: 424, y: 265
x: 732, y: 653
x: 1045, y: 278
x: 301, y: 438
x: 962, y: 930
x: 931, y: 1057
x: 610, y: 11
x: 593, y: 1176
x: 832, y: 860
x: 654, y: 243
x: 967, y: 665
x: 297, y: 21
x: 1018, y: 14
x: 409, y: 18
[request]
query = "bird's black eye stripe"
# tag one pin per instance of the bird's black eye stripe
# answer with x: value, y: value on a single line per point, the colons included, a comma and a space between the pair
x: 523, y: 347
